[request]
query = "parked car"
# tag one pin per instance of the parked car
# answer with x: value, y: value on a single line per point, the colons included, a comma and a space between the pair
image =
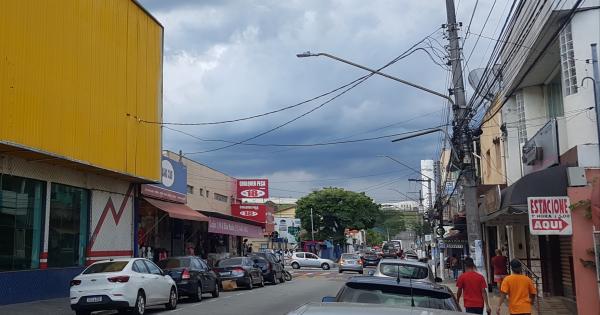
x: 192, y: 276
x: 306, y: 259
x: 344, y: 308
x: 122, y: 284
x: 411, y: 255
x: 371, y: 259
x: 408, y: 269
x: 271, y: 267
x: 351, y: 262
x: 396, y: 292
x: 242, y: 270
x: 389, y: 251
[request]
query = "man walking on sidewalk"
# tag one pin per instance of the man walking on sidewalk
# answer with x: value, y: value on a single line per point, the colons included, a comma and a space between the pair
x: 499, y: 263
x: 473, y: 285
x: 520, y: 290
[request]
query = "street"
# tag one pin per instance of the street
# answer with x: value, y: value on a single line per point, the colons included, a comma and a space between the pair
x: 308, y: 285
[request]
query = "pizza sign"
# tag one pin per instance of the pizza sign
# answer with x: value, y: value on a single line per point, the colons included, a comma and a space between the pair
x: 252, y: 188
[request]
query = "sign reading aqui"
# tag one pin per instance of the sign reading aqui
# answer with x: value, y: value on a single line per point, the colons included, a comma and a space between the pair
x: 549, y: 216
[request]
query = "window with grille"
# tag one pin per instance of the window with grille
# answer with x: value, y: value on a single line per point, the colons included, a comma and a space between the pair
x: 220, y: 197
x: 190, y: 189
x: 521, y: 127
x: 567, y: 61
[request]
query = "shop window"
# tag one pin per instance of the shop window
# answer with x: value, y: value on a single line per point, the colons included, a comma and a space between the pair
x: 68, y: 226
x: 190, y: 189
x: 21, y: 212
x: 567, y: 61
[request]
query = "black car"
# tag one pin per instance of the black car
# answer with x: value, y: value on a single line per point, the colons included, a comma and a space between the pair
x: 242, y: 270
x: 192, y: 276
x: 370, y: 259
x: 389, y: 251
x: 396, y: 292
x: 271, y: 267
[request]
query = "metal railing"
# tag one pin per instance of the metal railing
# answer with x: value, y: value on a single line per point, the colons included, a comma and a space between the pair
x: 536, y: 279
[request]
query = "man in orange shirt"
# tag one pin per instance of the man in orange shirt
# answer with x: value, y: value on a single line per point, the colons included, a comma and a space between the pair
x: 520, y: 290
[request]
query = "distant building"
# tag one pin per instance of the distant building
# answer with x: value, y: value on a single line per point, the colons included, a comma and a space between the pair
x: 429, y: 193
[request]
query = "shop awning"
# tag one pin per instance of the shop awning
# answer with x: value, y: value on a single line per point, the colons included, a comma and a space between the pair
x: 177, y: 210
x: 546, y: 183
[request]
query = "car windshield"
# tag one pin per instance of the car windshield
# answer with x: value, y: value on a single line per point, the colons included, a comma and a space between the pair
x: 350, y: 256
x: 393, y: 295
x: 112, y: 266
x: 174, y: 263
x: 229, y: 262
x: 406, y: 271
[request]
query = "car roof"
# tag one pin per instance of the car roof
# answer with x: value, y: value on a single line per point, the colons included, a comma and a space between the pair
x: 404, y: 262
x: 347, y: 308
x: 404, y: 282
x: 118, y: 259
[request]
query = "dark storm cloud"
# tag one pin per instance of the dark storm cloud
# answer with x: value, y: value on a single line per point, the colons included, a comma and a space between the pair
x: 230, y: 59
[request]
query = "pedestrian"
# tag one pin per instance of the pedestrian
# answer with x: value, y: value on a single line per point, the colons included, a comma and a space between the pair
x: 520, y: 291
x: 249, y: 249
x: 454, y: 266
x: 245, y: 247
x: 472, y: 287
x: 499, y: 263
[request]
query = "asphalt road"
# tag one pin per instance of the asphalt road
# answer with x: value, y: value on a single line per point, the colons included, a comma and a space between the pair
x: 308, y: 285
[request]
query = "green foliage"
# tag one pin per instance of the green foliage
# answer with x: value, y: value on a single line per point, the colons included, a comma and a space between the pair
x: 422, y: 228
x: 336, y: 209
x: 374, y: 238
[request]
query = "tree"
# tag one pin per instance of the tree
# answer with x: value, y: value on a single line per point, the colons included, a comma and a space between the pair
x: 374, y: 238
x: 336, y: 209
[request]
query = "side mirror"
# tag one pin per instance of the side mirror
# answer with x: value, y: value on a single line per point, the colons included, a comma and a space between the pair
x: 438, y: 279
x: 328, y: 299
x: 371, y: 272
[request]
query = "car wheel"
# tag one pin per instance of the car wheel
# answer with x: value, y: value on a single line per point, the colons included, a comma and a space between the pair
x: 250, y: 283
x: 140, y: 304
x: 198, y: 294
x: 282, y: 279
x: 215, y: 293
x: 172, y: 304
x: 325, y: 266
x: 274, y: 280
x: 262, y: 282
x: 295, y: 265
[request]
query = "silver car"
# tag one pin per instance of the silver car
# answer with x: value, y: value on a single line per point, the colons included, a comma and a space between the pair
x: 408, y: 269
x: 344, y: 308
x: 306, y: 259
x: 351, y: 262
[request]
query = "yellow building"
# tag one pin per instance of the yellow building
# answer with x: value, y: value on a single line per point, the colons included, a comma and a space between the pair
x: 492, y: 149
x: 77, y: 81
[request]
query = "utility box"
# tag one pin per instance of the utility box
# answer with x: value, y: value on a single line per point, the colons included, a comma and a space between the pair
x: 576, y: 176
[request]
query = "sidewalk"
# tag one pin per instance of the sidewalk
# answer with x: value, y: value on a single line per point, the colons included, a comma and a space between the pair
x: 46, y: 307
x: 548, y: 305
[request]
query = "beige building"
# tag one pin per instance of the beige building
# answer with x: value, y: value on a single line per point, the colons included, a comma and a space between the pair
x: 492, y: 149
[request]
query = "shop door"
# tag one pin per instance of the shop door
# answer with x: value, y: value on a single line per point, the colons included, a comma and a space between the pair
x: 551, y: 265
x: 566, y: 265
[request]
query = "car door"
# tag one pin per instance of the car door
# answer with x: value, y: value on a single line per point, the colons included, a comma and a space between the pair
x: 159, y: 284
x: 142, y: 275
x: 256, y: 272
x: 300, y: 259
x: 201, y: 275
x: 210, y: 275
x: 312, y: 260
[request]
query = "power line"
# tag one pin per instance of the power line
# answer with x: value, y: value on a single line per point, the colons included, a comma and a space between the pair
x: 470, y: 21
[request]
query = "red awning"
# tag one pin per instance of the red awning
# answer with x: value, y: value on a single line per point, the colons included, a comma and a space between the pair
x: 178, y: 210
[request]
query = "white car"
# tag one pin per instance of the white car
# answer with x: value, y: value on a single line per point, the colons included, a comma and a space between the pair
x: 407, y: 269
x: 128, y: 284
x: 306, y: 259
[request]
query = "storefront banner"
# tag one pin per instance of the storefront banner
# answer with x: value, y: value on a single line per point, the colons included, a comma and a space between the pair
x: 222, y: 226
x: 288, y: 228
x: 252, y: 188
x: 549, y: 216
x: 173, y: 185
x: 256, y: 213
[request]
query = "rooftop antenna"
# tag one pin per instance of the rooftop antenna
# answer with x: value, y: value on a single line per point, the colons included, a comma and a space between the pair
x: 412, y: 299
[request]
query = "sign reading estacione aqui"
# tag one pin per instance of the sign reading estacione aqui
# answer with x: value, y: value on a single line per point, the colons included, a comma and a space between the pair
x: 549, y: 216
x: 252, y: 188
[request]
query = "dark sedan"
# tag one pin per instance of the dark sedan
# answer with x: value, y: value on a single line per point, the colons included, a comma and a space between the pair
x: 271, y: 267
x: 192, y: 276
x: 371, y: 259
x: 396, y: 292
x: 242, y: 270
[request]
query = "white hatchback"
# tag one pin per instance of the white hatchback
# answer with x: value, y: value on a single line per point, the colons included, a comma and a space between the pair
x: 128, y: 284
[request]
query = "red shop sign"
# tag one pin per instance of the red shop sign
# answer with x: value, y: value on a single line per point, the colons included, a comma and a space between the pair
x: 222, y: 226
x: 252, y: 188
x: 257, y: 213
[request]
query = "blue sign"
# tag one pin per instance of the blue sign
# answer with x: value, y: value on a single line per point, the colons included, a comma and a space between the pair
x: 173, y: 185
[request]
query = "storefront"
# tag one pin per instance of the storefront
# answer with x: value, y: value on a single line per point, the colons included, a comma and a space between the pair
x: 166, y: 226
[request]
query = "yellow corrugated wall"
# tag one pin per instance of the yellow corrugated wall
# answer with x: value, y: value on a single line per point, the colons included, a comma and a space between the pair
x: 71, y: 71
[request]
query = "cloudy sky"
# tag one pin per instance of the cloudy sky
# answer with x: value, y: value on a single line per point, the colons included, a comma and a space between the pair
x: 226, y: 60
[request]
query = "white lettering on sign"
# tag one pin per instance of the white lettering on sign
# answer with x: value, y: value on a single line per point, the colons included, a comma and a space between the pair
x: 253, y: 183
x: 252, y: 193
x: 549, y: 216
x: 168, y: 174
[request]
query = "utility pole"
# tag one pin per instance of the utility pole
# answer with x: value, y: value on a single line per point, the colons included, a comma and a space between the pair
x: 462, y: 136
x: 312, y: 226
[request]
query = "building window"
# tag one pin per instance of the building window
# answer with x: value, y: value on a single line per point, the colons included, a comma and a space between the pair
x: 567, y: 61
x: 554, y: 98
x: 220, y: 197
x: 190, y: 189
x: 207, y: 193
x: 521, y: 126
x: 22, y: 203
x: 201, y: 191
x: 68, y: 226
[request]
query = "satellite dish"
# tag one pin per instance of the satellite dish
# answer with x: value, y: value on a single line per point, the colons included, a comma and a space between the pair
x: 490, y: 85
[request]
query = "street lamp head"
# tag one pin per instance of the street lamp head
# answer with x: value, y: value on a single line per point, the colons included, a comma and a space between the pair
x: 305, y: 54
